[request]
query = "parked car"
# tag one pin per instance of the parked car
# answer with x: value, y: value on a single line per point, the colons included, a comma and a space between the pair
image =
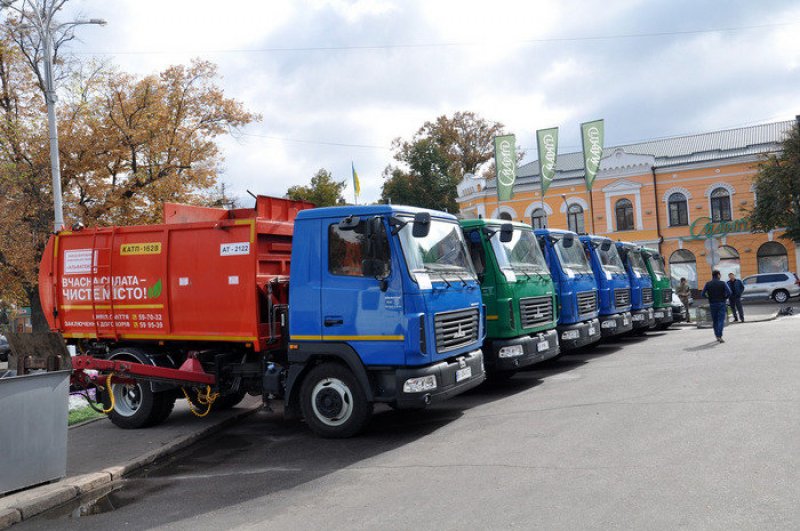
x: 679, y: 314
x: 776, y: 286
x: 4, y: 349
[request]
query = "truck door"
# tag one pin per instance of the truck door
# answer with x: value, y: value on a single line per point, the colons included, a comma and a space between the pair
x: 362, y: 306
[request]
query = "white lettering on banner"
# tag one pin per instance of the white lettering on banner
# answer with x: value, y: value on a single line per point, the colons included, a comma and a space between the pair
x: 550, y: 153
x: 596, y: 150
x: 234, y: 249
x: 506, y: 171
x: 79, y: 261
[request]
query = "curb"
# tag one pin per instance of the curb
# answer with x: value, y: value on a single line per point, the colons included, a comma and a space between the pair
x: 26, y: 504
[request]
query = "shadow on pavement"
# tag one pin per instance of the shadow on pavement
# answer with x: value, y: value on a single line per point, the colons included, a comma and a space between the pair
x: 704, y: 346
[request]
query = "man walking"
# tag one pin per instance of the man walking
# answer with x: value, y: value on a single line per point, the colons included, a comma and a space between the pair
x: 683, y: 291
x: 718, y: 294
x: 737, y: 288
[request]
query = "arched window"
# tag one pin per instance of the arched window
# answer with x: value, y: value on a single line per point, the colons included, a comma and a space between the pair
x: 624, y: 210
x: 504, y: 215
x: 720, y: 205
x: 772, y: 258
x: 728, y: 261
x: 575, y: 218
x: 682, y: 264
x: 539, y: 219
x: 678, y: 210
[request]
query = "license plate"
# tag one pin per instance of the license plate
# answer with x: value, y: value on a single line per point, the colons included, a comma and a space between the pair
x: 659, y: 315
x: 542, y: 346
x: 463, y: 374
x: 591, y: 330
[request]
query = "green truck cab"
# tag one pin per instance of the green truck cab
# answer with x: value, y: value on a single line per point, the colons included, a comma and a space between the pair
x: 518, y: 293
x: 662, y: 289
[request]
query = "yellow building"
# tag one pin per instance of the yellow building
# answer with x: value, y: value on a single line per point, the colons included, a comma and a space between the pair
x: 686, y: 196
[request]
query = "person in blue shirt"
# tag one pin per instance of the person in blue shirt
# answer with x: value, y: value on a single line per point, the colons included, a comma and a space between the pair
x: 737, y: 288
x: 717, y: 292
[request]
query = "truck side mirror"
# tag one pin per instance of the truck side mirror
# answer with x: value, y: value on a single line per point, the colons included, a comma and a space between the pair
x: 349, y: 223
x: 605, y: 246
x: 506, y: 232
x: 568, y: 240
x: 422, y: 224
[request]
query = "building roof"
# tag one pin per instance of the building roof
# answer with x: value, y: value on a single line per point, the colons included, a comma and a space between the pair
x: 716, y: 145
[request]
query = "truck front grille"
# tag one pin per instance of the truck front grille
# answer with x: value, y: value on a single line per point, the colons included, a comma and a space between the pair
x: 587, y: 302
x: 666, y: 296
x: 456, y: 329
x: 647, y: 295
x: 622, y: 297
x: 535, y: 311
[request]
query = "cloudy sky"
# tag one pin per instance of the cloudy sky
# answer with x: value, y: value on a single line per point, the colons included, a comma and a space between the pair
x: 337, y: 80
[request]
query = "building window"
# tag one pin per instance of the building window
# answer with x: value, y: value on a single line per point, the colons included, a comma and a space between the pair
x: 683, y: 264
x: 539, y: 219
x: 728, y: 261
x: 720, y: 205
x: 624, y: 210
x: 504, y: 216
x: 575, y: 218
x: 772, y: 258
x: 678, y: 210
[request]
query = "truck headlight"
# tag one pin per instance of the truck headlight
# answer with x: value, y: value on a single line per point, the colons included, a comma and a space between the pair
x: 571, y: 334
x: 608, y: 324
x: 510, y: 351
x: 418, y: 385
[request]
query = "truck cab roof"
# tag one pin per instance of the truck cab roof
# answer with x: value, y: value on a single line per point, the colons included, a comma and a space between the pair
x: 369, y: 210
x: 482, y: 222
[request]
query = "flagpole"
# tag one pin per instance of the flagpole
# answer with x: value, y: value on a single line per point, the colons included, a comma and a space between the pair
x: 591, y: 208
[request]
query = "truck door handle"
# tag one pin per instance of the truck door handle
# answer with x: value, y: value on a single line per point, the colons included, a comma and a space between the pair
x: 333, y: 321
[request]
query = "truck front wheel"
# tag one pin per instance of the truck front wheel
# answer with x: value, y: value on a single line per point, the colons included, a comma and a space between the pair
x: 333, y: 403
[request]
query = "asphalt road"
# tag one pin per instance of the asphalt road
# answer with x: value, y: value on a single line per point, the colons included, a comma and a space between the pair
x: 672, y: 430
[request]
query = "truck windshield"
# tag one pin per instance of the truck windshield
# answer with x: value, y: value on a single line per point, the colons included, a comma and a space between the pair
x: 572, y: 257
x: 637, y: 264
x: 655, y: 263
x: 610, y: 259
x: 522, y: 253
x: 443, y: 251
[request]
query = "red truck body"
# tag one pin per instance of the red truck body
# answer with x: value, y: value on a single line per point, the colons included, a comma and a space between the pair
x: 205, y: 274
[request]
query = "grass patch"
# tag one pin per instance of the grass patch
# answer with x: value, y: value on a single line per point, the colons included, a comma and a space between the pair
x: 82, y: 414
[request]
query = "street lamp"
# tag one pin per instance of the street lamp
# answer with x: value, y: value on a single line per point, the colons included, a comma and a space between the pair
x: 44, y: 25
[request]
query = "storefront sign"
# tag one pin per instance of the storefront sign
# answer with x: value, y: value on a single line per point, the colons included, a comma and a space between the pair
x: 705, y: 228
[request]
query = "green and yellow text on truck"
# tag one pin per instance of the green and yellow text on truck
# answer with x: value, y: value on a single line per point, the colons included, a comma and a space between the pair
x: 518, y: 294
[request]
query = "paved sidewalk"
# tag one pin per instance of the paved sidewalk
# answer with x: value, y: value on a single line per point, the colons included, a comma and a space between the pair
x: 98, y: 453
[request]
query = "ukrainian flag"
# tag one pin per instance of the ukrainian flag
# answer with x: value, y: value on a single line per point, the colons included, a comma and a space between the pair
x: 356, y: 183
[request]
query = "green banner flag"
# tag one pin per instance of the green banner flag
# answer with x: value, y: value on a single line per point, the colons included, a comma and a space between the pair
x: 592, y: 136
x: 547, y: 144
x: 505, y: 160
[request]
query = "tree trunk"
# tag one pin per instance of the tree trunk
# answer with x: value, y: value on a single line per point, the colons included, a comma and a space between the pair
x: 38, y: 320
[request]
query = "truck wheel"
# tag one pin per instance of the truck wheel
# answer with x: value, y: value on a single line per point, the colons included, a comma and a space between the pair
x: 333, y: 403
x: 780, y: 296
x: 229, y: 401
x: 136, y: 405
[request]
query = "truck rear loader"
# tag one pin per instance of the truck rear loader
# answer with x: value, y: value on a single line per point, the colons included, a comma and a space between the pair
x: 330, y: 310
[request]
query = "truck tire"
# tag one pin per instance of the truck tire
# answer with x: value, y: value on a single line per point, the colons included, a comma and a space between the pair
x: 333, y: 403
x: 136, y: 405
x: 780, y: 296
x: 229, y: 401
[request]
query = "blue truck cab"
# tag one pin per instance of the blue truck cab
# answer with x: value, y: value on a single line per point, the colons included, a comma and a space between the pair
x: 385, y: 306
x: 578, y: 323
x: 641, y: 285
x: 613, y: 286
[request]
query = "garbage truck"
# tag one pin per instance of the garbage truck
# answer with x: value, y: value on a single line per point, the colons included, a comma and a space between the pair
x: 518, y: 293
x: 662, y: 288
x: 578, y: 323
x: 613, y: 286
x: 329, y: 310
x: 641, y: 286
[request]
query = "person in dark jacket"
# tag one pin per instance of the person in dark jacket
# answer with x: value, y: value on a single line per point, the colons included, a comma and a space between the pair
x: 717, y: 292
x: 737, y: 288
